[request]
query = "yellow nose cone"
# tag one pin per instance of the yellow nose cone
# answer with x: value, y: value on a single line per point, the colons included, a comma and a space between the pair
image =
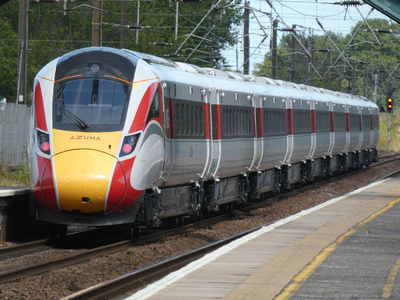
x: 82, y: 178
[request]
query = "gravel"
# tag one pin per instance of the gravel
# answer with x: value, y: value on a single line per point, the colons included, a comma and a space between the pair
x: 62, y: 282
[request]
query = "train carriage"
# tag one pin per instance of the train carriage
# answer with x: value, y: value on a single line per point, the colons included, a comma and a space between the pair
x: 121, y: 137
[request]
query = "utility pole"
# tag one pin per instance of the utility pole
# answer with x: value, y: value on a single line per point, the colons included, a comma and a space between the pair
x: 246, y: 38
x: 292, y: 68
x: 97, y: 20
x: 176, y: 20
x: 365, y: 80
x: 311, y: 70
x: 340, y: 75
x: 22, y: 50
x: 122, y: 22
x: 376, y: 79
x: 353, y: 77
x: 388, y: 134
x: 137, y: 21
x: 330, y: 67
x: 274, y: 50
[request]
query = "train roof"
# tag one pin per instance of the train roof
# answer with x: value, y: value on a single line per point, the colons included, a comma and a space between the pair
x: 193, y: 69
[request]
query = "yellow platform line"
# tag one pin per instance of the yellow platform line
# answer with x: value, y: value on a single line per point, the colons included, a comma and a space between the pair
x: 388, y: 288
x: 304, y: 274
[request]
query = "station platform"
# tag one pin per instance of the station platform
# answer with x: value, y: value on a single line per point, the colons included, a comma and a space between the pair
x: 14, y: 213
x: 9, y: 191
x: 345, y: 248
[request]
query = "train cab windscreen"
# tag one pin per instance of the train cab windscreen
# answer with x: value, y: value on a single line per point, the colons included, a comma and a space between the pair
x: 92, y: 91
x: 90, y: 102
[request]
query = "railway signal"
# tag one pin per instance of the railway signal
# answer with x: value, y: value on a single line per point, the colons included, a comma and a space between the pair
x: 389, y: 100
x: 389, y: 104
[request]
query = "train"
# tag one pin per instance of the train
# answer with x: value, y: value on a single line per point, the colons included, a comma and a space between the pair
x: 126, y: 138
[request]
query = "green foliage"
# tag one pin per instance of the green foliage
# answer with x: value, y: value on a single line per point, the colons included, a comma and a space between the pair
x: 304, y: 72
x: 18, y: 176
x: 394, y: 132
x: 54, y: 32
x: 159, y: 27
x: 363, y: 58
x: 9, y: 60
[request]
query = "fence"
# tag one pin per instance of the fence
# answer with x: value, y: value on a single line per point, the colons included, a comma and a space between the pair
x: 14, y: 133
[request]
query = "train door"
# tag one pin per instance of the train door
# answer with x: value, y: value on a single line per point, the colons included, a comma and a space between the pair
x: 313, y: 130
x: 168, y: 131
x: 289, y: 131
x: 360, y: 128
x: 331, y: 129
x: 215, y: 136
x: 258, y: 130
x: 371, y: 128
x: 347, y: 114
x: 208, y: 132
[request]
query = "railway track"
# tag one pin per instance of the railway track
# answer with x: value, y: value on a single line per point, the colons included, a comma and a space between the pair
x: 137, y: 279
x: 126, y: 285
x: 82, y: 255
x: 22, y: 249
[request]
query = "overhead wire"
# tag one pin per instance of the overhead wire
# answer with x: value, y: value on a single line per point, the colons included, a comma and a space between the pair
x: 188, y: 10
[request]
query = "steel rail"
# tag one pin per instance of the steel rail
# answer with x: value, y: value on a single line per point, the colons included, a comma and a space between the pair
x: 41, y: 267
x: 129, y: 283
x: 144, y: 273
x: 80, y: 257
x: 135, y: 280
x: 11, y: 250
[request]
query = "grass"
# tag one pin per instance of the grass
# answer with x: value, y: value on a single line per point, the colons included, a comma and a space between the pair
x: 394, y: 132
x: 14, y: 176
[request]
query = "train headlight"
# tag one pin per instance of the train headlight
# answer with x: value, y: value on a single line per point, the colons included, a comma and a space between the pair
x: 44, y: 144
x: 129, y: 144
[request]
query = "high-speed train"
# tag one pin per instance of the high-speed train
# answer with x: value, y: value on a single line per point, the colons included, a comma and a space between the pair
x: 121, y: 137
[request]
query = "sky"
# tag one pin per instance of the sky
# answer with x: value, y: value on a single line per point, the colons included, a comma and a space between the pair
x: 333, y: 17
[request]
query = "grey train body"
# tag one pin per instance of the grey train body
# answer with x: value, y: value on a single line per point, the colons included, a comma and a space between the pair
x: 177, y: 140
x: 234, y: 137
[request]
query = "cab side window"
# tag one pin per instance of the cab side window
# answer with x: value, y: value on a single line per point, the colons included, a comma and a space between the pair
x: 154, y: 111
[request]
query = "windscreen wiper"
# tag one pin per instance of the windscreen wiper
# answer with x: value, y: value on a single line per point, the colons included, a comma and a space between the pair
x: 70, y: 116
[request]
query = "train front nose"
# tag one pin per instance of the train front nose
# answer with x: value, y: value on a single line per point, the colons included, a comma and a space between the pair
x: 83, y: 181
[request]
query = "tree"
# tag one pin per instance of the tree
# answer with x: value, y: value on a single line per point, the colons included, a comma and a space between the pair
x: 346, y: 63
x: 309, y: 60
x: 9, y: 61
x: 374, y: 53
x: 54, y: 31
x: 158, y: 35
